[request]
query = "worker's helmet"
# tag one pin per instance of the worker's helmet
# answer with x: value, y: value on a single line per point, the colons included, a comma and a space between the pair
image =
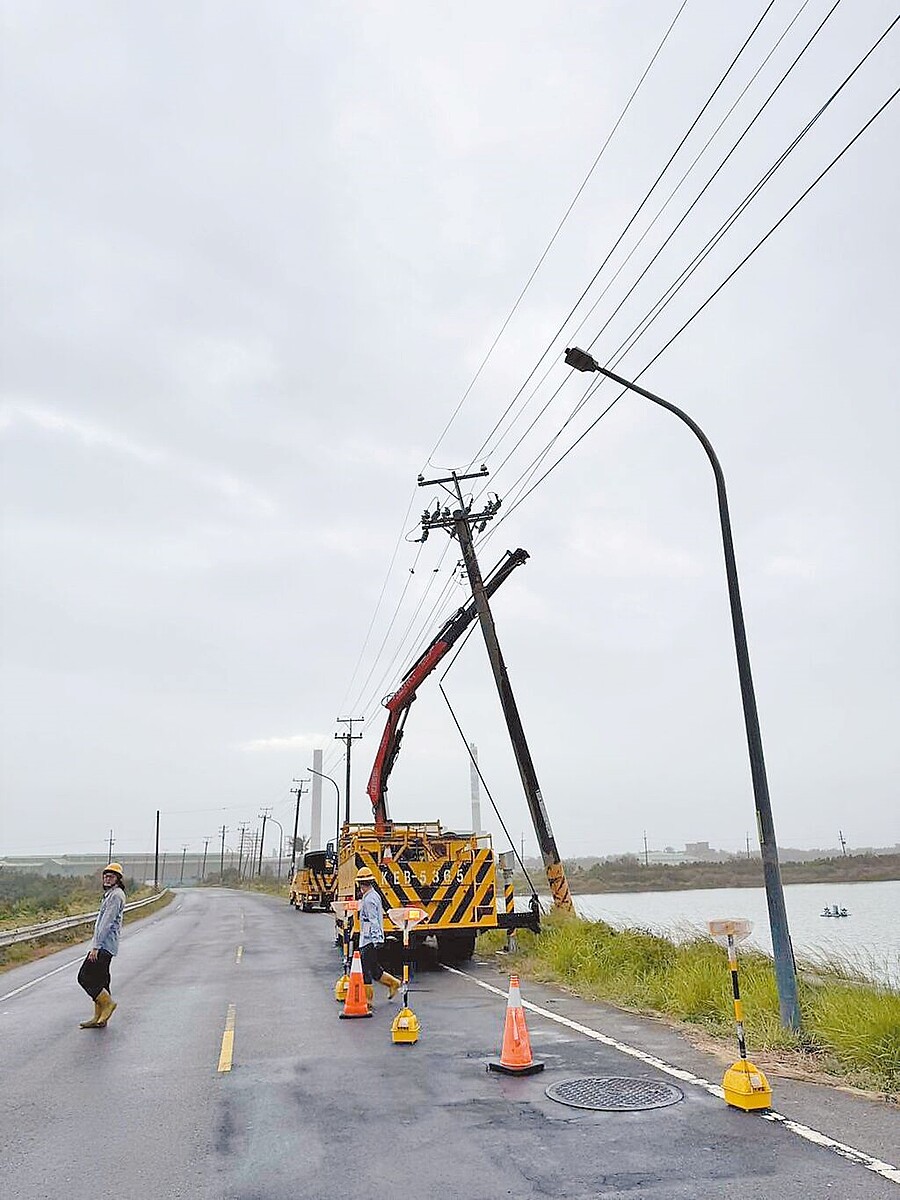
x: 117, y: 867
x: 364, y: 875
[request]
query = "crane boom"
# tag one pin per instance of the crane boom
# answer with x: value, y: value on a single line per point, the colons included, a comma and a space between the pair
x: 398, y: 704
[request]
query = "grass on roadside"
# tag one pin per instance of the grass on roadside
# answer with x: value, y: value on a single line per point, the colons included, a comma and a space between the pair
x: 25, y: 952
x: 265, y: 884
x: 850, y: 1027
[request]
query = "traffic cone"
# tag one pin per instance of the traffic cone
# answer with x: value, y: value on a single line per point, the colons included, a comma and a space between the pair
x: 515, y: 1056
x: 356, y: 1005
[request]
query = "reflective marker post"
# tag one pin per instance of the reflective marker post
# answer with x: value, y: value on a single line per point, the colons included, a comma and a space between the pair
x: 345, y: 910
x: 744, y: 1085
x: 405, y: 1026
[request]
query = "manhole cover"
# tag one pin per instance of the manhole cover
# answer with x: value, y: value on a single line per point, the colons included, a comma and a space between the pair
x: 615, y: 1093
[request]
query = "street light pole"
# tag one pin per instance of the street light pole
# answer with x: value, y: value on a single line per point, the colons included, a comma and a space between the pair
x: 280, y: 843
x: 337, y: 819
x: 785, y: 967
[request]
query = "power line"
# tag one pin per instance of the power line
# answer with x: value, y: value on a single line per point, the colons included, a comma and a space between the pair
x: 555, y: 235
x: 480, y: 452
x: 716, y: 291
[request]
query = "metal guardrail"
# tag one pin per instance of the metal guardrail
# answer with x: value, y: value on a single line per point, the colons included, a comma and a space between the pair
x: 27, y: 933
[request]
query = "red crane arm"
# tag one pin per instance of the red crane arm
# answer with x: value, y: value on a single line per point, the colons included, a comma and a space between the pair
x: 398, y: 704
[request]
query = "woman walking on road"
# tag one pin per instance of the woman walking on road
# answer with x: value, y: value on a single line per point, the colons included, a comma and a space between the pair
x: 94, y: 973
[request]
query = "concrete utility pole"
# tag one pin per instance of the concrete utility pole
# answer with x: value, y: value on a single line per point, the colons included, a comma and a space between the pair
x: 459, y: 523
x: 843, y: 843
x: 111, y: 844
x: 183, y: 853
x: 203, y: 868
x: 475, y: 785
x: 646, y: 855
x: 222, y: 856
x: 298, y: 792
x: 156, y: 857
x: 348, y: 738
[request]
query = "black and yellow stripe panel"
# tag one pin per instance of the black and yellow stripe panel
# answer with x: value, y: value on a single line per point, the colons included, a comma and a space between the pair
x: 559, y: 887
x: 458, y: 892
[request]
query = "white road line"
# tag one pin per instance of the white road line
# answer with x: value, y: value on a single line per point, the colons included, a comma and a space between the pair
x: 41, y: 978
x: 885, y: 1170
x: 71, y: 963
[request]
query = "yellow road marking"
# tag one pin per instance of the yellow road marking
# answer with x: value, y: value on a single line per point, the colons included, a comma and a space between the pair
x: 239, y: 955
x: 227, y: 1041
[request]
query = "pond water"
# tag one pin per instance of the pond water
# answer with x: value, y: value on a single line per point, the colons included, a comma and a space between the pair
x: 868, y: 940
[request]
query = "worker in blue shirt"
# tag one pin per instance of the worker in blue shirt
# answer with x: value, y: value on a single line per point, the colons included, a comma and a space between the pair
x: 371, y: 935
x: 94, y: 973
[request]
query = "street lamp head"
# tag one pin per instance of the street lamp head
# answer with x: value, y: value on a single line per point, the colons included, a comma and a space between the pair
x: 581, y: 360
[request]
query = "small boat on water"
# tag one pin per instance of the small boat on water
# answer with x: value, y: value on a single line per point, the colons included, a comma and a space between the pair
x: 835, y: 911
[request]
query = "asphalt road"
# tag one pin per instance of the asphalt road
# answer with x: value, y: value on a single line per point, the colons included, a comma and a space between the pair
x: 315, y: 1107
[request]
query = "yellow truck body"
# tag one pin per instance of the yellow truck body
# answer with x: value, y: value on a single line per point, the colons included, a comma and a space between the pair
x: 453, y: 876
x: 313, y: 886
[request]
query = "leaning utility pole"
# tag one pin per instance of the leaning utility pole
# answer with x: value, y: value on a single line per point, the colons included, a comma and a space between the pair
x: 348, y: 739
x: 458, y: 523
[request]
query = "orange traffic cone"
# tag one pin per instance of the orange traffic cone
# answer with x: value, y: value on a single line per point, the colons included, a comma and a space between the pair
x: 356, y: 1004
x: 515, y: 1057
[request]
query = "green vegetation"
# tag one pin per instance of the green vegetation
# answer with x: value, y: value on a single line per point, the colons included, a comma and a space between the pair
x: 27, y: 899
x: 81, y: 896
x: 628, y: 874
x: 851, y: 1027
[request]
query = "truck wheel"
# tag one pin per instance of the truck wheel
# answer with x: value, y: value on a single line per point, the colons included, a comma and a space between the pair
x: 456, y: 947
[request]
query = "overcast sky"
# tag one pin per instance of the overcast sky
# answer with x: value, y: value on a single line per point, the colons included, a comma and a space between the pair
x: 253, y: 258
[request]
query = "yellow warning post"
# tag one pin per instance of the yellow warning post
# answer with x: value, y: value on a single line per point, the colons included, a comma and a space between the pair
x: 744, y: 1084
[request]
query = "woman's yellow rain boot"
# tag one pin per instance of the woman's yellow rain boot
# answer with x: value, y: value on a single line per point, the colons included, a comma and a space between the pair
x: 95, y: 1020
x: 107, y: 1008
x: 392, y: 983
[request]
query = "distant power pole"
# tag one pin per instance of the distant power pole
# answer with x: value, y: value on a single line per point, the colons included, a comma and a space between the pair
x: 843, y: 843
x: 646, y: 855
x: 156, y: 857
x: 348, y: 738
x: 183, y: 853
x: 203, y: 868
x: 747, y: 843
x: 244, y: 825
x: 262, y: 837
x: 222, y: 856
x: 163, y: 870
x: 298, y: 792
x: 111, y: 844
